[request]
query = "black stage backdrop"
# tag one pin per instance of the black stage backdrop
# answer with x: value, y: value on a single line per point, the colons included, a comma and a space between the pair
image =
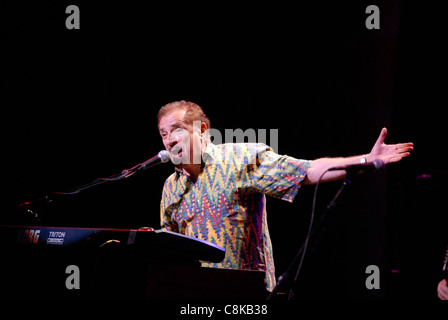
x: 82, y: 104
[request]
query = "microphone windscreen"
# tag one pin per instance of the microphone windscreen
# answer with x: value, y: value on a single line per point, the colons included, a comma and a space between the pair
x: 379, y: 164
x: 164, y: 156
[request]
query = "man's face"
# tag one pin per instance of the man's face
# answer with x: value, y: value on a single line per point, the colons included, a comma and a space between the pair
x: 180, y: 137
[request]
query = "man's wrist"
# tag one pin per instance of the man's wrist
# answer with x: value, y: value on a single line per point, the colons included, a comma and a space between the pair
x: 363, y: 159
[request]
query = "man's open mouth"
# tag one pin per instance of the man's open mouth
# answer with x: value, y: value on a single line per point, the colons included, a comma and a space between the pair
x: 176, y: 151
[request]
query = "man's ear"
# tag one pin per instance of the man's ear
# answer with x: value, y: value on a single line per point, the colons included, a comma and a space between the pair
x: 203, y: 128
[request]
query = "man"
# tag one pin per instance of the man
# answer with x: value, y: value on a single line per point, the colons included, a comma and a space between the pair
x: 217, y: 192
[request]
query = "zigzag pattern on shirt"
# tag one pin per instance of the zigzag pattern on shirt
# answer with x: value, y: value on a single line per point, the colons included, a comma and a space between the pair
x: 227, y: 204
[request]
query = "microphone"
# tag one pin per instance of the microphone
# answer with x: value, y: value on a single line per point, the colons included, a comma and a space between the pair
x: 377, y: 164
x: 162, y: 157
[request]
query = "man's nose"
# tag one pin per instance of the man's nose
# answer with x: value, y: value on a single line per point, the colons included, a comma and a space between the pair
x: 173, y: 140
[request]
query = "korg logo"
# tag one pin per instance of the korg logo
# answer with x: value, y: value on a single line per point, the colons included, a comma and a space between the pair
x: 28, y: 236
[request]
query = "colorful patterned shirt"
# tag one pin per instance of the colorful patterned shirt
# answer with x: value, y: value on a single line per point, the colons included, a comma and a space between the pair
x: 227, y: 204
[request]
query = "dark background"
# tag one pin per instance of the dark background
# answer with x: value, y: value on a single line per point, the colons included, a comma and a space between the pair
x: 82, y: 104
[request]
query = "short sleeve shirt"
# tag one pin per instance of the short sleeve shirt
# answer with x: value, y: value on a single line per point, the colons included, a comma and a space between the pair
x: 227, y: 204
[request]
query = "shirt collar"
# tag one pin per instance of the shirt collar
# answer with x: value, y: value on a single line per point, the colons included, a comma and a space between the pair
x: 208, y: 154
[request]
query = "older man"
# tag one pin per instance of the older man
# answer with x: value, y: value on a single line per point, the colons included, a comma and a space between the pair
x: 217, y: 192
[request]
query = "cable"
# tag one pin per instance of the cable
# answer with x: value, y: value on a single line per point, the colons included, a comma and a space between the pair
x: 110, y: 241
x: 308, y: 236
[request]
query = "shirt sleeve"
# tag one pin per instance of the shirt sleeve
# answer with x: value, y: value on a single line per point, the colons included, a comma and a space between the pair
x: 277, y: 175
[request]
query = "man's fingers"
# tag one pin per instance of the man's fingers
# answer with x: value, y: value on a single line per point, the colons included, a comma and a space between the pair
x: 405, y: 154
x: 382, y: 136
x: 404, y: 147
x: 397, y: 157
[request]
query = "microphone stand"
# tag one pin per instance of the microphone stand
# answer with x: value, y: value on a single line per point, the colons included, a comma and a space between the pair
x: 30, y: 205
x: 286, y: 275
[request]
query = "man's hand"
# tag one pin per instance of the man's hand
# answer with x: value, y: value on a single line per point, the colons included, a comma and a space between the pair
x: 389, y: 152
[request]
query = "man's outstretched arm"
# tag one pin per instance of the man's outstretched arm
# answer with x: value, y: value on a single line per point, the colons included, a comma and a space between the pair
x: 388, y: 153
